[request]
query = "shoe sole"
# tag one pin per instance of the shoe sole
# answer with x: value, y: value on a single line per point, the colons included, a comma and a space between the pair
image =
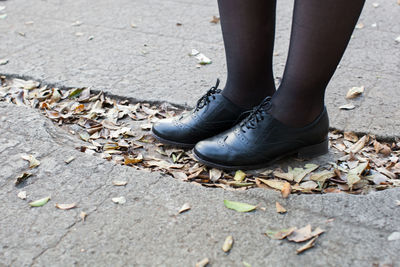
x: 171, y: 143
x: 307, y: 152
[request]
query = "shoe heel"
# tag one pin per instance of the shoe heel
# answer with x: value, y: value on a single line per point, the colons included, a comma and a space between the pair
x: 314, y: 150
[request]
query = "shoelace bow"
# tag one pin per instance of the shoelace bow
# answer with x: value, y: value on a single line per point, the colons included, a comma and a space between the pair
x: 205, y: 99
x: 256, y: 115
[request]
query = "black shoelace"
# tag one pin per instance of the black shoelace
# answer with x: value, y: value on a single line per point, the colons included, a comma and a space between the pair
x: 256, y: 115
x: 205, y: 99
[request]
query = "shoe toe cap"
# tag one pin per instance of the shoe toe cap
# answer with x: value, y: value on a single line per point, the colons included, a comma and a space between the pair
x: 210, y: 151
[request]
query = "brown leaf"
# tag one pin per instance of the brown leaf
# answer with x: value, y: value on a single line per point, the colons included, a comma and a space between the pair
x: 304, y: 234
x: 307, y: 246
x: 386, y: 150
x: 309, y: 185
x: 215, y: 20
x: 359, y: 145
x: 65, y: 206
x: 350, y: 136
x: 280, y: 234
x: 280, y: 208
x: 286, y: 190
x: 276, y: 184
x: 131, y: 160
x: 386, y: 172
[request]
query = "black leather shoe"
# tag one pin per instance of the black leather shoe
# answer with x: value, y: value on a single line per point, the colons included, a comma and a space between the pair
x: 213, y: 114
x: 260, y: 139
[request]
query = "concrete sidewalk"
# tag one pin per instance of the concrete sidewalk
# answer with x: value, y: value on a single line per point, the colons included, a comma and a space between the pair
x: 151, y: 62
x: 146, y: 230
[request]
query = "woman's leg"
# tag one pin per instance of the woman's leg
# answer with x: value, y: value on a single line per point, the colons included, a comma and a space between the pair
x: 248, y: 28
x: 321, y: 30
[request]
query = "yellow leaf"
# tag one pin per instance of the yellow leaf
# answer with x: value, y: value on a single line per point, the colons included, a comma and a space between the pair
x: 239, y: 176
x: 227, y: 244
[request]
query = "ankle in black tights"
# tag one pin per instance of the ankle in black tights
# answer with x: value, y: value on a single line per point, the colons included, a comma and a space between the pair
x: 321, y: 31
x: 248, y: 28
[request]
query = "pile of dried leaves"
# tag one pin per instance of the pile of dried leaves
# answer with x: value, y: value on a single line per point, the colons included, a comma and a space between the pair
x: 118, y: 131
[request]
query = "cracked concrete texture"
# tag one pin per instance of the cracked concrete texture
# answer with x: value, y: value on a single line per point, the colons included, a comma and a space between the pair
x: 151, y: 60
x: 146, y: 231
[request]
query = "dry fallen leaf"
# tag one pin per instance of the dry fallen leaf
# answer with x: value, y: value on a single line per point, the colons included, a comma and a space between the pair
x: 203, y: 263
x: 22, y: 195
x: 22, y: 178
x: 280, y: 208
x: 239, y: 176
x: 394, y: 236
x: 304, y: 234
x: 119, y: 200
x: 347, y: 106
x: 3, y: 61
x: 83, y: 215
x: 300, y: 173
x: 215, y: 174
x: 322, y: 176
x: 69, y: 160
x: 287, y: 176
x: 131, y: 160
x: 308, y: 245
x: 353, y: 176
x: 276, y: 184
x: 359, y: 145
x: 65, y: 206
x: 280, y: 234
x: 354, y: 92
x: 119, y: 183
x: 215, y: 20
x: 286, y: 190
x: 350, y: 136
x: 228, y: 244
x: 184, y: 208
x: 33, y: 162
x: 359, y: 25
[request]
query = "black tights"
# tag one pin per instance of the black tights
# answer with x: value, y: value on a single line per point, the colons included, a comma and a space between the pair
x: 321, y: 30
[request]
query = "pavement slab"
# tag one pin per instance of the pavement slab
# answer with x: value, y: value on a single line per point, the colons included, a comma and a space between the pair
x: 150, y: 62
x: 146, y: 230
